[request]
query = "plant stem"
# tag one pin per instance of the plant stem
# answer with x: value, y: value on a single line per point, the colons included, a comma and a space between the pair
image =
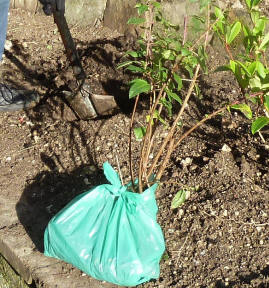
x: 147, y: 133
x: 149, y: 27
x: 198, y: 125
x: 185, y: 30
x: 148, y: 138
x: 227, y: 47
x: 130, y: 143
x: 204, y: 34
x: 264, y: 59
x: 166, y: 159
x: 172, y: 129
x: 143, y: 156
x: 172, y: 148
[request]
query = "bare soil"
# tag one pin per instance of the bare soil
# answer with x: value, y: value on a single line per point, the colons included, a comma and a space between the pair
x: 218, y: 238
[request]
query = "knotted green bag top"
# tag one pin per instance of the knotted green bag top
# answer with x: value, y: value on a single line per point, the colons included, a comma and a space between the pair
x: 109, y: 233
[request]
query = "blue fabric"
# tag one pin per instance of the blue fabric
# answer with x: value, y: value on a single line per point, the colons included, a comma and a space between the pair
x: 4, y: 5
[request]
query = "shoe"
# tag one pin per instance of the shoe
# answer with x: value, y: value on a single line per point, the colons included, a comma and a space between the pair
x: 12, y: 99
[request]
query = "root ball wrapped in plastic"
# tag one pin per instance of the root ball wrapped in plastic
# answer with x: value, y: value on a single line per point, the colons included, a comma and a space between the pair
x: 109, y: 233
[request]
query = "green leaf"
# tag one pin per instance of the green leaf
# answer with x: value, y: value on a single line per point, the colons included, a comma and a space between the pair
x: 266, y: 102
x: 141, y: 8
x: 246, y: 31
x: 139, y: 132
x: 255, y: 2
x: 134, y: 69
x: 255, y: 83
x: 197, y: 23
x: 136, y: 21
x: 265, y: 41
x: 174, y: 96
x: 179, y: 81
x: 156, y: 115
x: 204, y: 3
x: 252, y: 67
x: 243, y: 82
x: 202, y: 59
x: 265, y: 82
x: 259, y: 123
x: 138, y: 86
x: 245, y: 68
x: 233, y: 65
x: 244, y: 108
x: 163, y: 75
x: 166, y: 54
x: 260, y: 69
x: 199, y: 18
x: 189, y: 69
x: 179, y: 199
x: 156, y: 5
x: 193, y: 61
x: 132, y: 53
x: 126, y: 63
x: 168, y: 105
x: 259, y: 26
x: 265, y: 87
x: 252, y: 98
x: 197, y: 91
x: 165, y: 256
x: 223, y: 68
x: 175, y: 45
x: 248, y: 2
x: 185, y: 52
x: 252, y: 3
x: 218, y: 12
x: 255, y: 15
x: 235, y: 30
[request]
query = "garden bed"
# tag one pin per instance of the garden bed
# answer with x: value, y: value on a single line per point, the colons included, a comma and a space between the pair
x: 218, y: 238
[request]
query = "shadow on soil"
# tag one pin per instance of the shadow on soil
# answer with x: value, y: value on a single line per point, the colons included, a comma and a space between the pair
x: 55, y: 76
x: 48, y: 193
x: 248, y: 279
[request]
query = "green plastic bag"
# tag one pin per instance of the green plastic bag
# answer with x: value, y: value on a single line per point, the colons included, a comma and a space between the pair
x: 109, y: 233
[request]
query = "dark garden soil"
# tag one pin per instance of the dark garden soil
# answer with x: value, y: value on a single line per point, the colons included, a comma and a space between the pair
x: 218, y: 238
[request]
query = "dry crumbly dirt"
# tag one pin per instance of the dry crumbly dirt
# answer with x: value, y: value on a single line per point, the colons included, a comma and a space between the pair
x: 218, y: 238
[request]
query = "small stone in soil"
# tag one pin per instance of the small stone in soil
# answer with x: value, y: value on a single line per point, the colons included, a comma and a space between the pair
x: 86, y: 181
x: 259, y: 228
x: 226, y: 148
x: 186, y: 162
x: 180, y: 212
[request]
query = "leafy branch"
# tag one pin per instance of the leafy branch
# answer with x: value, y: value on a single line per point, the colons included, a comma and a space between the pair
x: 167, y: 66
x: 250, y: 68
